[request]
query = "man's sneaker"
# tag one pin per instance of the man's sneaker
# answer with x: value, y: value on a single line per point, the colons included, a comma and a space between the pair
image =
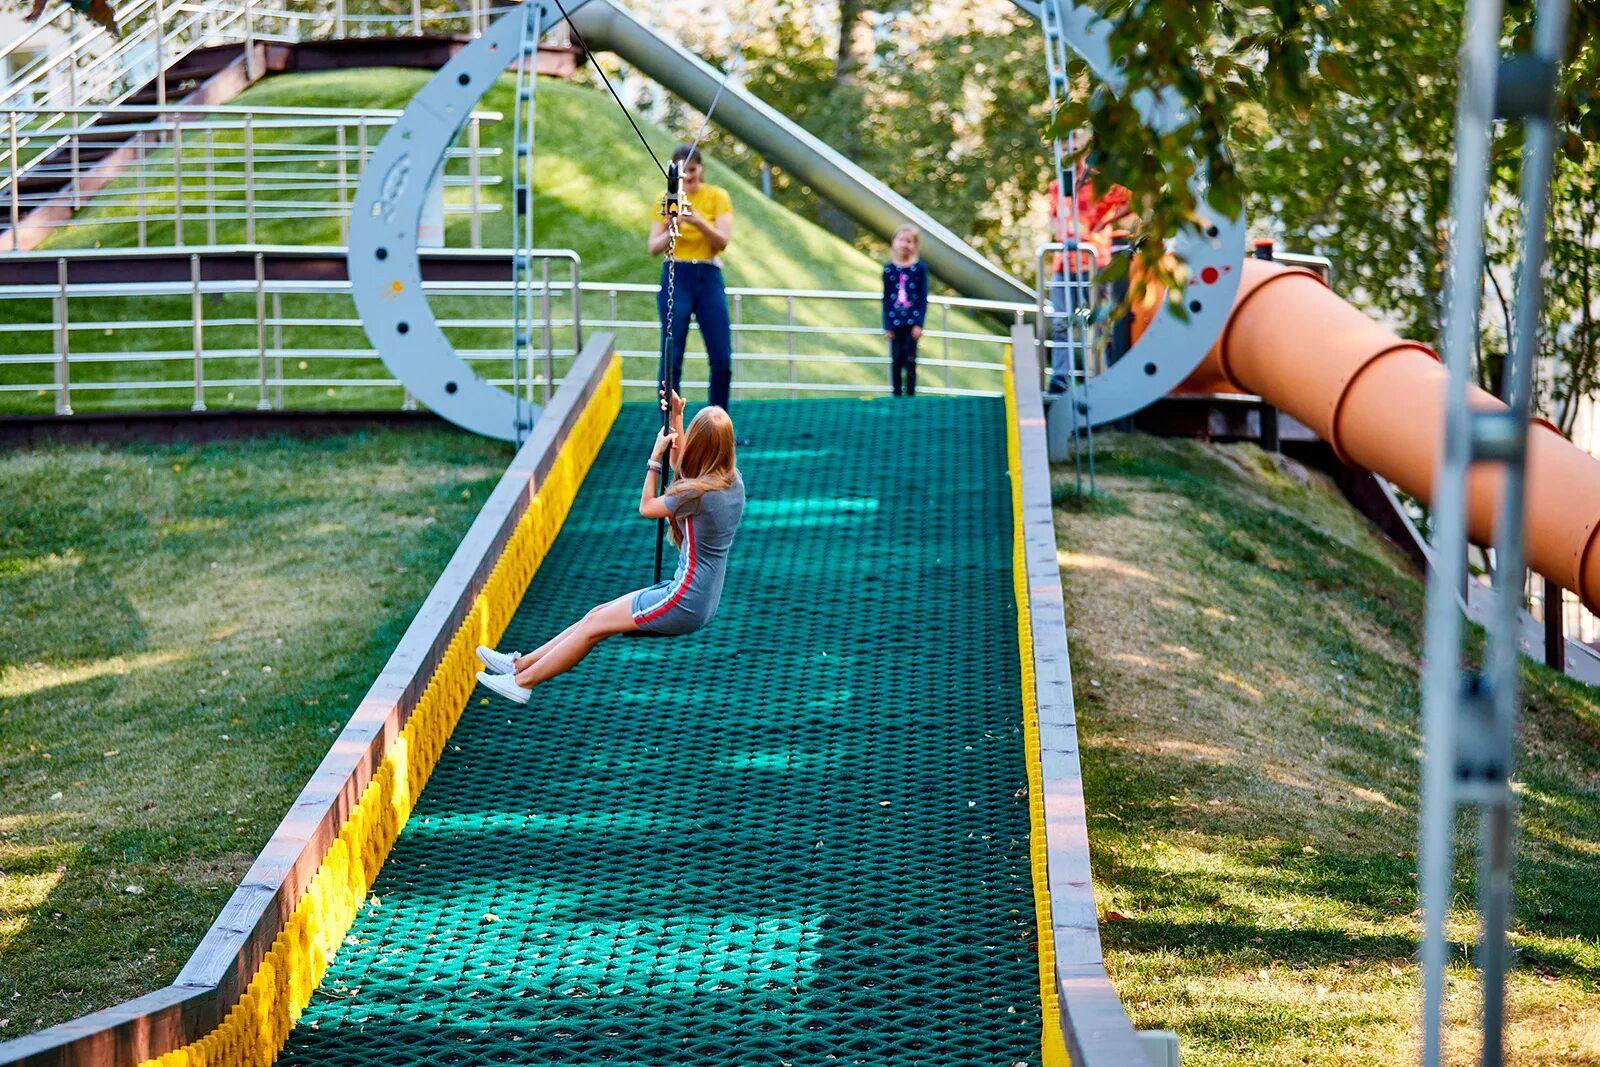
x: 506, y: 686
x: 499, y: 662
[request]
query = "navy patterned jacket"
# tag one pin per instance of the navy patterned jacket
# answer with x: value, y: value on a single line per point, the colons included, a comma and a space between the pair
x: 905, y: 295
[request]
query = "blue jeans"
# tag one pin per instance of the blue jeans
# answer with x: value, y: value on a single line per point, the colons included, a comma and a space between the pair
x: 699, y: 292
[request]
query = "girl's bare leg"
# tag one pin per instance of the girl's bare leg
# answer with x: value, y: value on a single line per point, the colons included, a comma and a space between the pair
x: 522, y: 663
x: 576, y: 642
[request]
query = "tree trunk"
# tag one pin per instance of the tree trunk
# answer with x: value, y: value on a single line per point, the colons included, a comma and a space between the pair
x: 855, y: 41
x: 853, y: 53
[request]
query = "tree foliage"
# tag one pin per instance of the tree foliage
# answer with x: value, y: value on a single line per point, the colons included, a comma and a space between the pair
x: 1335, y: 125
x: 947, y: 108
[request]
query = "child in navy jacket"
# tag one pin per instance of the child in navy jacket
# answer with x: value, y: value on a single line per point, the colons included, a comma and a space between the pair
x: 905, y: 308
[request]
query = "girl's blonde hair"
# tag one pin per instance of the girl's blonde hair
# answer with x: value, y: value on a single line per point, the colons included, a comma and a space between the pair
x: 705, y: 462
x: 916, y: 234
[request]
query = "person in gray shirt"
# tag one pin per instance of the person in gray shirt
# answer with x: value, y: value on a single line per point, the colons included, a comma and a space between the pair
x: 703, y: 507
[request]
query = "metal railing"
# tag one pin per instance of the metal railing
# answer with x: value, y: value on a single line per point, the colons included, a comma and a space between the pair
x: 92, y: 68
x: 158, y: 33
x: 64, y: 85
x: 1069, y: 310
x: 191, y: 167
x: 785, y: 344
x: 272, y: 343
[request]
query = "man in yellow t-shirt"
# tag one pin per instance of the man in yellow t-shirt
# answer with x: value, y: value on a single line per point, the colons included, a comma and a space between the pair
x: 704, y: 226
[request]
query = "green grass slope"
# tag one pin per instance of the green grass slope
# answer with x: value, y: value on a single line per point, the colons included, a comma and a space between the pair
x: 182, y: 631
x: 595, y: 190
x: 1245, y: 653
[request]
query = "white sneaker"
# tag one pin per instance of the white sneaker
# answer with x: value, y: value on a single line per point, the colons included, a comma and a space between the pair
x: 506, y: 686
x: 499, y: 662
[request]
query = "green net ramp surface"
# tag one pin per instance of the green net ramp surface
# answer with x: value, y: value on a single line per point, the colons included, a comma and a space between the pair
x: 799, y: 836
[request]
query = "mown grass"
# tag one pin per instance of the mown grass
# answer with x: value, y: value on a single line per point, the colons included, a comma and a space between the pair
x: 594, y: 191
x: 182, y: 630
x: 1245, y: 652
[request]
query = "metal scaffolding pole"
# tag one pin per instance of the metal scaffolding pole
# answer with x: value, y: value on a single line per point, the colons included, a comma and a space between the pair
x: 1469, y: 719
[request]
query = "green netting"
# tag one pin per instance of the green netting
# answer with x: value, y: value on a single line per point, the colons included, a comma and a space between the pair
x: 797, y: 837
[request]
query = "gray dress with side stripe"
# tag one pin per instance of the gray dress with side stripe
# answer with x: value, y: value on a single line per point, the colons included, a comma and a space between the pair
x: 689, y: 601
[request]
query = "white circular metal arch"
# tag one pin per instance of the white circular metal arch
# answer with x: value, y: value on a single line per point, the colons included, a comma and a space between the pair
x: 385, y: 274
x: 1170, y: 348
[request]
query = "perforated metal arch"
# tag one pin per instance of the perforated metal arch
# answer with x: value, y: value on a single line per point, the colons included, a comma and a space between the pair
x: 389, y: 202
x: 385, y: 274
x: 1171, y: 347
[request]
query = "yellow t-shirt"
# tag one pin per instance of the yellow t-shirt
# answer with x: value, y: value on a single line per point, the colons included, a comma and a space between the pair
x: 710, y: 202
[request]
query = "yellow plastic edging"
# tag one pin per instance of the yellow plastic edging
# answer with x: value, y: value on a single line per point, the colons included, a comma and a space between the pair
x: 255, y: 1030
x: 1052, y: 1045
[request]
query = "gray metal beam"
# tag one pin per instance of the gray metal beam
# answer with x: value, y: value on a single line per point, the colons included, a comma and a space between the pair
x: 852, y: 190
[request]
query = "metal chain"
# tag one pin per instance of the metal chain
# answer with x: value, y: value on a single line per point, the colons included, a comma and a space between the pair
x: 668, y: 381
x: 672, y: 287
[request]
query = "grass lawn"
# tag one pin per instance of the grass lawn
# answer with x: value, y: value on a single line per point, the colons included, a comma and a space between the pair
x: 1245, y: 652
x: 182, y: 629
x: 594, y: 193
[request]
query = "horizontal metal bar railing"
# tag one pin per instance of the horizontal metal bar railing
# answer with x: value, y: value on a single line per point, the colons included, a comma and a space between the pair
x: 69, y: 337
x: 198, y: 166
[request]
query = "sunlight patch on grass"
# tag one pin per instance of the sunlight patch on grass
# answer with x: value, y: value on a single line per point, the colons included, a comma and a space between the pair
x: 1083, y: 561
x: 22, y: 567
x: 37, y: 677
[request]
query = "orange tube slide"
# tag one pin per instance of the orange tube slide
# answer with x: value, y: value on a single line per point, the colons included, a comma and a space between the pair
x: 1379, y: 401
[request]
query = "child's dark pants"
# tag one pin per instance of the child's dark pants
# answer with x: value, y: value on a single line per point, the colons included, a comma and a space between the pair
x: 903, y: 361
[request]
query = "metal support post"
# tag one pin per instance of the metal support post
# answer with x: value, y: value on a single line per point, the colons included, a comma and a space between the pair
x: 277, y: 349
x: 944, y: 327
x: 1555, y: 628
x: 16, y: 196
x: 474, y: 176
x: 72, y: 101
x: 789, y: 339
x: 63, y: 343
x: 343, y: 182
x: 338, y: 18
x: 198, y: 311
x: 577, y: 306
x: 262, y: 403
x: 211, y: 180
x: 416, y: 18
x: 141, y: 160
x: 1469, y: 721
x: 177, y: 179
x: 1270, y: 439
x: 251, y: 71
x: 249, y: 180
x: 733, y: 339
x: 545, y: 310
x: 161, y: 53
x: 522, y: 133
x: 1065, y: 208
